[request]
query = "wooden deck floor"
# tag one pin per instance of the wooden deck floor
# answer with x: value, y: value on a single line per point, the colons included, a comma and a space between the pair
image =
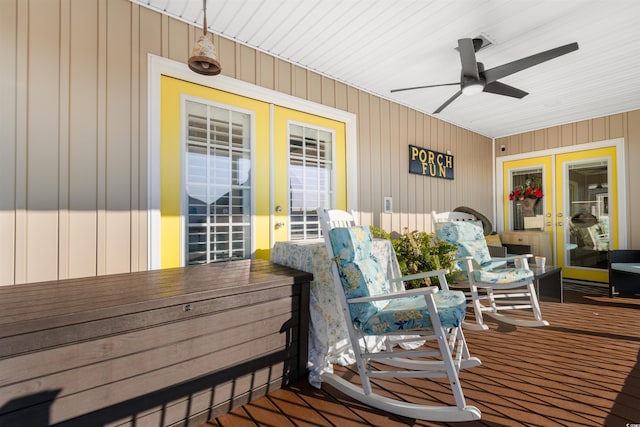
x: 583, y: 370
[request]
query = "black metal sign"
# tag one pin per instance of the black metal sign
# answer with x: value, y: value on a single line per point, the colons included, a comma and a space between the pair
x: 430, y: 163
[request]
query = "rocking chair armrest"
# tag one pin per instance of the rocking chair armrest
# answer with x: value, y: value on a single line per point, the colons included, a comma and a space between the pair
x: 410, y: 293
x: 422, y: 275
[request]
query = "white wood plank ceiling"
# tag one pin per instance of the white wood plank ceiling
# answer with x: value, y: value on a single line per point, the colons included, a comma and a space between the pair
x: 379, y: 45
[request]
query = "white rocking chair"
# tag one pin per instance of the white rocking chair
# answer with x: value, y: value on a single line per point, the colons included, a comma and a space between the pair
x: 492, y: 286
x: 371, y: 307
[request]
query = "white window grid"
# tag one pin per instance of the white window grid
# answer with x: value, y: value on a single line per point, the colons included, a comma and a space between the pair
x: 218, y: 159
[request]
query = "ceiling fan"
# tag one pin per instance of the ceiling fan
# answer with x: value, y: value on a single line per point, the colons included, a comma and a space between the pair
x: 475, y: 79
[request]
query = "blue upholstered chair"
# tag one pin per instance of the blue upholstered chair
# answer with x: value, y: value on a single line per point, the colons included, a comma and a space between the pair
x: 493, y: 285
x: 373, y: 306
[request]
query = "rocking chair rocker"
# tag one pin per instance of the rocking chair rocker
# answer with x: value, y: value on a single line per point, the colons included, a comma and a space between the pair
x: 371, y: 307
x: 492, y: 285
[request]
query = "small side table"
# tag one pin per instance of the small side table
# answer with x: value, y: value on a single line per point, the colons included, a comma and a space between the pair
x: 548, y: 281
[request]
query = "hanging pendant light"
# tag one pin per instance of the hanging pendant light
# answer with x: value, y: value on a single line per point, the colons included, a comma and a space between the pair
x: 203, y: 58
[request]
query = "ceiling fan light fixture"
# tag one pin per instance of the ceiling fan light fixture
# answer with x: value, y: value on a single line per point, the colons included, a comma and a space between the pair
x: 203, y: 59
x: 473, y: 88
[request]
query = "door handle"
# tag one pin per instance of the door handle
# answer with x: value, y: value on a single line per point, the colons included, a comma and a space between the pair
x: 560, y: 224
x: 278, y: 225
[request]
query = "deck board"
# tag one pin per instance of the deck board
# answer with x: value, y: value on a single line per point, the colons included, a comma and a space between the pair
x: 582, y: 370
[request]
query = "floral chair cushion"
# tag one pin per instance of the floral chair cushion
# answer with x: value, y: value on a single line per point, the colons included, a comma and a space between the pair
x: 412, y: 313
x: 468, y: 236
x: 362, y: 275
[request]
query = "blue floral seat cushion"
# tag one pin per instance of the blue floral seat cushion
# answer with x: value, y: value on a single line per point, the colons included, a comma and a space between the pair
x: 362, y: 275
x: 412, y: 313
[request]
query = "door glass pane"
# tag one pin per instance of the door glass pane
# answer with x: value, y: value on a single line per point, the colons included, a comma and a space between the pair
x: 526, y: 199
x: 587, y: 234
x: 310, y: 179
x: 218, y: 184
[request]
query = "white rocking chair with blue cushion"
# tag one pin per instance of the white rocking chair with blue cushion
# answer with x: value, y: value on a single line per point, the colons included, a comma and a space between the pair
x: 371, y: 307
x: 503, y: 288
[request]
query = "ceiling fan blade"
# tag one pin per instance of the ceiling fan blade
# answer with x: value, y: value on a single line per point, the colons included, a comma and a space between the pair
x: 493, y: 74
x: 503, y: 89
x: 468, y: 59
x: 448, y: 101
x: 424, y: 87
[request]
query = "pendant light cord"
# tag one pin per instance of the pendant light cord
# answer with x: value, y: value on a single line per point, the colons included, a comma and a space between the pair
x: 204, y: 9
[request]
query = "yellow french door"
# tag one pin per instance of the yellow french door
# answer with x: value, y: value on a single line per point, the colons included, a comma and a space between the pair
x: 586, y: 223
x: 577, y: 209
x: 227, y: 164
x: 309, y: 166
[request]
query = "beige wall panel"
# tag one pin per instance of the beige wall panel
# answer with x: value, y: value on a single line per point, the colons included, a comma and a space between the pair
x: 442, y: 196
x: 43, y: 144
x: 433, y: 185
x: 375, y: 161
x: 552, y: 140
x: 299, y: 82
x: 179, y: 46
x: 314, y: 87
x: 21, y: 109
x: 566, y: 134
x: 328, y: 91
x: 266, y: 71
x: 539, y: 138
x: 447, y: 187
x: 364, y: 158
x: 63, y: 138
x: 353, y: 97
x: 82, y: 226
x: 419, y: 140
x: 385, y: 169
x: 341, y: 96
x: 410, y: 189
x: 425, y: 200
x: 394, y: 164
x: 8, y: 42
x: 137, y: 121
x: 583, y: 132
x: 245, y: 63
x: 599, y: 129
x: 616, y: 126
x: 284, y: 77
x: 227, y: 55
x: 118, y: 144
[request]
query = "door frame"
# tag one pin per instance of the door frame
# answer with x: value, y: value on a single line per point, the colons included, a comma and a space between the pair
x: 621, y: 182
x: 158, y: 66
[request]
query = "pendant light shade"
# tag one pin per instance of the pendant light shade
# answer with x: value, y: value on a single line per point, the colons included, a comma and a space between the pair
x: 203, y: 59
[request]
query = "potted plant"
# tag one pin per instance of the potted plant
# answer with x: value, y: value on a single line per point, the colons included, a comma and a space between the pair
x: 418, y: 251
